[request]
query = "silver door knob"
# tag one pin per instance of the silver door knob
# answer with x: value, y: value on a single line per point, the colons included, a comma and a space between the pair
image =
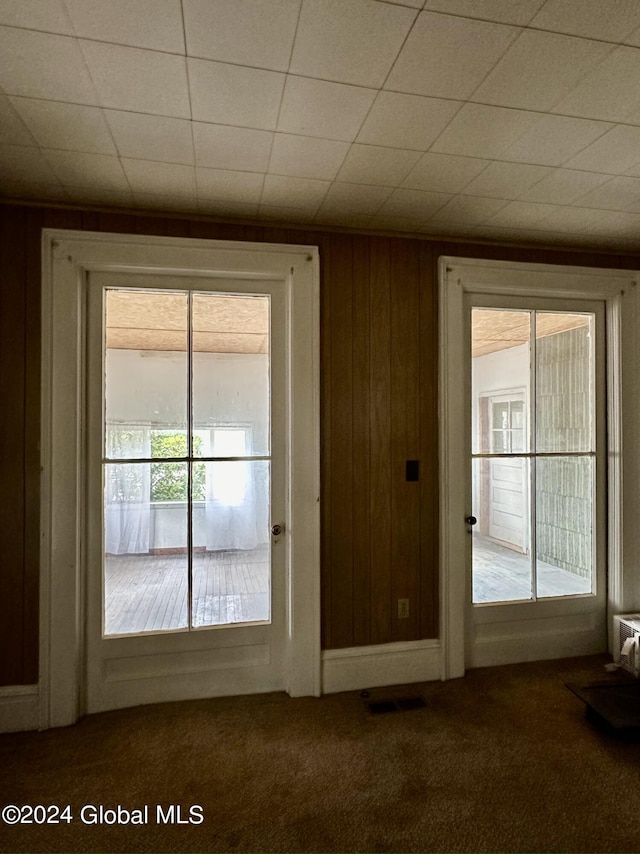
x: 276, y: 530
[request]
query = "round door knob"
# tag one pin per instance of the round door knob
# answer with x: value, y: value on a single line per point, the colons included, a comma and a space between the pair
x: 276, y: 530
x: 471, y: 520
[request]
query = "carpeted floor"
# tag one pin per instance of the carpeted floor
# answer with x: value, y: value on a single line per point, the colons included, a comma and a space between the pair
x: 502, y: 760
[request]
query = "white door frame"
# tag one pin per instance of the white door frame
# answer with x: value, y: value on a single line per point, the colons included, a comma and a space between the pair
x: 67, y: 259
x: 617, y: 288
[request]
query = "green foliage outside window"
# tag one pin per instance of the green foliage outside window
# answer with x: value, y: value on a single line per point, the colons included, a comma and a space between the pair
x: 169, y: 480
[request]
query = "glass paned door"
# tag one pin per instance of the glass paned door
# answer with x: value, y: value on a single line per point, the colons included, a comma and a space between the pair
x: 533, y: 454
x: 186, y: 460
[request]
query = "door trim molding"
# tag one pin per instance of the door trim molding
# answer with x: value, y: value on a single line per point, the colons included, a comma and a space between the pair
x: 67, y: 259
x: 617, y: 289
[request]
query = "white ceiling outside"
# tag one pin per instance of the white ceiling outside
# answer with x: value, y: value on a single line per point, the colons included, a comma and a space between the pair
x: 500, y: 119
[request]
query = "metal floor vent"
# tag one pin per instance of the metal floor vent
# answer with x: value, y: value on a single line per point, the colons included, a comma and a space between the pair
x: 402, y: 704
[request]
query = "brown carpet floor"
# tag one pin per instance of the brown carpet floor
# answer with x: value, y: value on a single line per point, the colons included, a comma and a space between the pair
x: 502, y: 760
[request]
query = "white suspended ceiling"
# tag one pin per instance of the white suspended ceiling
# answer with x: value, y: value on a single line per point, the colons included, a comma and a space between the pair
x: 500, y: 119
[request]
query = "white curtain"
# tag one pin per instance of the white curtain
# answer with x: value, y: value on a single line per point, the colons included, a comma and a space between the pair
x: 230, y: 508
x: 127, y: 491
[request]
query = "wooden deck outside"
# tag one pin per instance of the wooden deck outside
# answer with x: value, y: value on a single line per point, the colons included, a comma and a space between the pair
x: 148, y: 593
x: 503, y: 575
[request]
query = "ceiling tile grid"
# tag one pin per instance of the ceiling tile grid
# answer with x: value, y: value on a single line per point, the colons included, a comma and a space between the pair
x: 491, y: 119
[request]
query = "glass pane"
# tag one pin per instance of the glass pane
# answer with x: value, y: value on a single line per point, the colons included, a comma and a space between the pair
x: 230, y: 374
x: 145, y: 373
x: 501, y: 549
x: 231, y: 539
x: 564, y: 397
x: 146, y: 562
x: 564, y: 525
x: 500, y: 370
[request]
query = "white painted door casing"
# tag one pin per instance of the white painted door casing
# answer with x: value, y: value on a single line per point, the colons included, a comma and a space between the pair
x: 617, y: 289
x: 68, y: 258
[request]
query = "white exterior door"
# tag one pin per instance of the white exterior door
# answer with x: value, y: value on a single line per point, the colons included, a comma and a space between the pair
x: 537, y: 557
x: 527, y: 621
x: 181, y: 459
x: 187, y: 439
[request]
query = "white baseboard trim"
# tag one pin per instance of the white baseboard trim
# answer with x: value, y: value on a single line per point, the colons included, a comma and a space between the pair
x: 19, y: 708
x: 375, y: 666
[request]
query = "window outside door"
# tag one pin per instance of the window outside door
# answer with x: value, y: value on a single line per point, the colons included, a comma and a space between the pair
x: 537, y: 466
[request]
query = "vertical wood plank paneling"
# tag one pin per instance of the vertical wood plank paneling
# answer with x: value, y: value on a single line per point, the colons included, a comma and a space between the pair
x: 341, y: 426
x: 90, y: 221
x: 361, y: 444
x: 53, y: 218
x: 12, y: 443
x: 117, y: 223
x: 33, y: 233
x: 405, y: 496
x: 379, y: 354
x: 380, y: 421
x: 428, y: 391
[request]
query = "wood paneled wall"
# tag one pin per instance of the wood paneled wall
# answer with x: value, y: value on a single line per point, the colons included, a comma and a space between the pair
x: 378, y: 409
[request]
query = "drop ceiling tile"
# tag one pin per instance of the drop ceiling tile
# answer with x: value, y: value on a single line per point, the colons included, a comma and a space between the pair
x: 415, y: 204
x: 32, y: 190
x: 520, y: 214
x: 350, y: 41
x: 563, y: 186
x: 328, y: 110
x: 47, y: 15
x: 67, y: 126
x: 226, y: 185
x: 479, y: 131
x: 231, y: 209
x: 25, y: 164
x: 386, y: 222
x: 406, y: 121
x: 571, y: 219
x: 448, y: 57
x: 554, y: 139
x: 13, y: 130
x: 246, y: 32
x: 284, y: 214
x: 615, y: 152
x: 153, y: 24
x: 469, y: 210
x: 167, y: 202
x: 590, y: 18
x: 100, y: 196
x: 284, y: 191
x: 224, y: 147
x: 149, y: 176
x: 538, y: 69
x: 518, y: 12
x: 306, y: 156
x: 143, y: 81
x: 234, y: 95
x: 444, y: 173
x: 616, y: 224
x: 39, y: 65
x: 617, y: 194
x: 610, y: 92
x: 354, y: 199
x: 346, y: 219
x: 76, y: 169
x: 506, y: 180
x: 148, y: 137
x: 372, y: 164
